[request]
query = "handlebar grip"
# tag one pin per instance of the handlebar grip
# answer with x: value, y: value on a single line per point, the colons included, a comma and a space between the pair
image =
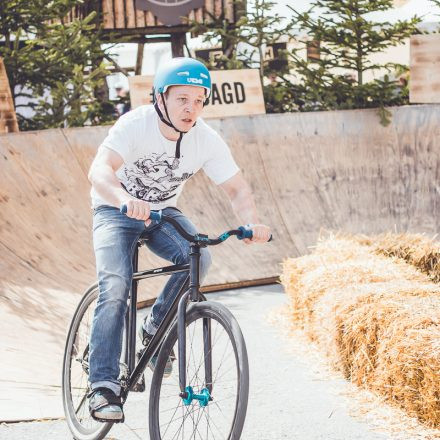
x: 247, y: 233
x: 154, y: 215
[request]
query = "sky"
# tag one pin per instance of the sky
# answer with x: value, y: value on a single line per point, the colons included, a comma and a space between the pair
x: 408, y: 9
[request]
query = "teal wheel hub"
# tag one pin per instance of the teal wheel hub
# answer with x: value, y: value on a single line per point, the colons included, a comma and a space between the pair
x: 204, y: 397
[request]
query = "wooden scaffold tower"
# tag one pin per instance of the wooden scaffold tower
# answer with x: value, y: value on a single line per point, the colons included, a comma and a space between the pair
x: 150, y: 21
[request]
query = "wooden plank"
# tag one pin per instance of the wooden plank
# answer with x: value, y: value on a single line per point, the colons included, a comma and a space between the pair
x: 150, y: 19
x: 214, y: 288
x: 140, y: 18
x: 191, y: 15
x: 229, y: 10
x: 131, y: 16
x: 122, y: 14
x: 140, y: 90
x: 139, y: 59
x: 108, y: 16
x: 208, y: 11
x: 218, y: 8
x: 198, y: 13
x: 425, y: 69
x: 119, y: 14
x: 234, y: 93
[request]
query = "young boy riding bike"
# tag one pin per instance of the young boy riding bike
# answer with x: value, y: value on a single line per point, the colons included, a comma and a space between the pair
x: 143, y: 163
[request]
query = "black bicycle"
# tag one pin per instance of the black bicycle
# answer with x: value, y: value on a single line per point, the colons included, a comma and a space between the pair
x: 206, y: 396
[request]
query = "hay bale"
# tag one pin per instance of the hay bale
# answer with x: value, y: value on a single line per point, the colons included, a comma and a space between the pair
x: 417, y: 249
x: 376, y: 317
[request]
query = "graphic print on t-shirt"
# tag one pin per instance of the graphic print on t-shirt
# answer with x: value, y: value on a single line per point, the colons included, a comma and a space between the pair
x: 153, y: 178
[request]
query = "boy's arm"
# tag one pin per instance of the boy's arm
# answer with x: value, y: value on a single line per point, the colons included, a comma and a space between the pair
x: 243, y: 204
x: 102, y: 176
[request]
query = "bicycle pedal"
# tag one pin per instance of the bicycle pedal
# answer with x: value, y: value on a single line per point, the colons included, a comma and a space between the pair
x: 139, y: 387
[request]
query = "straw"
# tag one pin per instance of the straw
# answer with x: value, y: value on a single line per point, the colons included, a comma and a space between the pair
x: 375, y: 316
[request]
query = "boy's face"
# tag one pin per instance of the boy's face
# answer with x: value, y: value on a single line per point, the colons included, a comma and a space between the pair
x: 184, y: 104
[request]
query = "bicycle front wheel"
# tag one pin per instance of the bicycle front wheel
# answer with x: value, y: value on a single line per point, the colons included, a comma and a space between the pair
x: 216, y: 370
x: 76, y: 373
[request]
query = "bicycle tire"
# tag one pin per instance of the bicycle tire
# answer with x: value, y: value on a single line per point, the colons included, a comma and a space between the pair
x: 223, y: 317
x: 87, y: 429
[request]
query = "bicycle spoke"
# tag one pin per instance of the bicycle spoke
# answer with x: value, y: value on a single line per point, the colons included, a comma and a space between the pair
x: 209, y: 353
x: 177, y: 407
x: 176, y: 435
x: 81, y: 403
x: 208, y: 420
x: 184, y: 416
x: 196, y: 425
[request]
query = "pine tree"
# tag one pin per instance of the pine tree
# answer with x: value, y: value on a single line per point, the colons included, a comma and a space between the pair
x: 58, y: 67
x: 349, y: 37
x: 244, y: 42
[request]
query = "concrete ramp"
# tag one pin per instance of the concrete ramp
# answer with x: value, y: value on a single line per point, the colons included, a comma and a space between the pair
x: 333, y: 170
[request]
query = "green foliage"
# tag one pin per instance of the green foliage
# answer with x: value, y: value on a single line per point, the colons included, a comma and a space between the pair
x: 58, y: 66
x: 258, y: 28
x: 349, y: 40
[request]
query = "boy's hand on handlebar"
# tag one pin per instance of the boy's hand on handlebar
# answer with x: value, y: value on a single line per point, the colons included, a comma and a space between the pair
x: 138, y: 209
x: 260, y: 234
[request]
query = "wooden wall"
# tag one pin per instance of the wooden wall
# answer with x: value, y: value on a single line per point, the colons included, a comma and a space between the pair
x: 334, y: 170
x: 425, y: 69
x: 121, y: 14
x: 8, y: 119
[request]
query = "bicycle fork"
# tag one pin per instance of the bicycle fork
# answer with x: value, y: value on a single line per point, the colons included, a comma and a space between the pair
x: 186, y: 391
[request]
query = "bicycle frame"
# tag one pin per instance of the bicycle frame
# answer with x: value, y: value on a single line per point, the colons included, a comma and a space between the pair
x: 190, y: 290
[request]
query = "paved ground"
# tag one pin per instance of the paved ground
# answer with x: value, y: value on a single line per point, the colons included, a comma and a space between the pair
x: 290, y: 397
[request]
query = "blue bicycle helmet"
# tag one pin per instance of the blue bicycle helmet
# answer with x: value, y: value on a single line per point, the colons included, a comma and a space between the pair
x: 182, y: 72
x: 179, y: 72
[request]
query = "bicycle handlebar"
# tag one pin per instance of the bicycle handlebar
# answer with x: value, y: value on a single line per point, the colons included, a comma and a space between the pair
x: 241, y: 233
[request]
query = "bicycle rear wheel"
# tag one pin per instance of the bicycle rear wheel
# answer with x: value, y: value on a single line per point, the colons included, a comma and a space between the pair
x: 75, y: 384
x: 223, y: 416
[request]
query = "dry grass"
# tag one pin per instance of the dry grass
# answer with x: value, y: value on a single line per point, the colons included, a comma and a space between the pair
x: 417, y: 249
x: 376, y: 317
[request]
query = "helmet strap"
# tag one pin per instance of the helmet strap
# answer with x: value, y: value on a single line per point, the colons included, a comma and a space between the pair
x: 166, y: 112
x: 177, y: 154
x: 160, y: 114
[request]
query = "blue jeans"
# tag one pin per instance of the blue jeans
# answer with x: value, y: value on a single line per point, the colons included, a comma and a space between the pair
x: 114, y: 240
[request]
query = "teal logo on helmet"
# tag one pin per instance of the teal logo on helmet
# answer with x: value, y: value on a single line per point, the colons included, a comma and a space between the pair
x: 182, y: 72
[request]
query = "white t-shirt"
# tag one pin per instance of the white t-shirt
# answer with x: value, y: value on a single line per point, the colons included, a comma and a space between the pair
x: 151, y: 171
